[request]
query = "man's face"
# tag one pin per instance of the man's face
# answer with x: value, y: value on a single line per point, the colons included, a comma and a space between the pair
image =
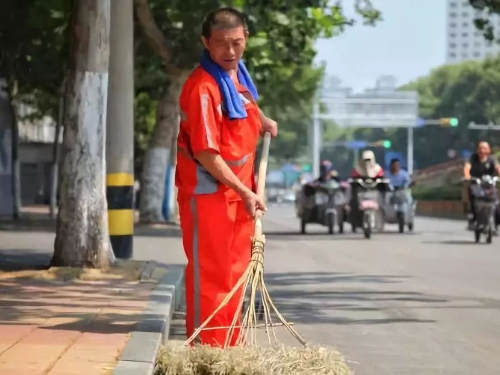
x: 395, y: 167
x: 226, y: 46
x: 483, y: 149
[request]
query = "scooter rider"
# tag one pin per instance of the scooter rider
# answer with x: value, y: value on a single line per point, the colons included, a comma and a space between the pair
x: 481, y: 163
x: 324, y: 172
x: 399, y: 178
x: 368, y: 167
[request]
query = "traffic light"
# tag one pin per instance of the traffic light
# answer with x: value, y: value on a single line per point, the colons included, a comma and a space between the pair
x: 449, y: 121
x: 387, y: 144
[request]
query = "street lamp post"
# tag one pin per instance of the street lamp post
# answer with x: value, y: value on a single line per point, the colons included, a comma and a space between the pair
x: 316, y: 145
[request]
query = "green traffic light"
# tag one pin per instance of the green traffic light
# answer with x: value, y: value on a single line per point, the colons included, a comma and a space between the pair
x: 387, y: 144
x: 453, y: 121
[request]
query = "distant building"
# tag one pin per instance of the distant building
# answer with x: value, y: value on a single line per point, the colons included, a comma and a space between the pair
x: 464, y: 41
x: 36, y: 140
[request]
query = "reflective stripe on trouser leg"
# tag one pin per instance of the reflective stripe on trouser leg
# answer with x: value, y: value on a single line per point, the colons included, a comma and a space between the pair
x: 196, y: 266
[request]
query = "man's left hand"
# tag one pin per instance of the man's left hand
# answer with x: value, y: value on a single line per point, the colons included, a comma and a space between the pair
x: 269, y: 125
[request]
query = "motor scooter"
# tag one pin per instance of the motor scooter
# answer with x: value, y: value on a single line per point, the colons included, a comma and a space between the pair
x: 399, y: 207
x: 367, y: 192
x: 485, y: 195
x: 322, y: 203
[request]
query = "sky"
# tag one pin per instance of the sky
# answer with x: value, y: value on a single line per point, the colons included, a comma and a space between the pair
x: 407, y: 43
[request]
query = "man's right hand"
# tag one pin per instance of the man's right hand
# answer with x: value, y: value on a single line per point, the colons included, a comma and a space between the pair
x: 253, y: 202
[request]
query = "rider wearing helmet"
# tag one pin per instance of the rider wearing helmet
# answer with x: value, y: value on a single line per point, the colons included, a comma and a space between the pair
x: 368, y: 167
x: 325, y: 169
x: 481, y: 163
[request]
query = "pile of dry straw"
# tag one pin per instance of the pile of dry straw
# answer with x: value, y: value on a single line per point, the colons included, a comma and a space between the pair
x: 179, y: 359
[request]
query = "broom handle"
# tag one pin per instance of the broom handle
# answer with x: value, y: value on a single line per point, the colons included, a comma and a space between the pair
x: 261, y: 181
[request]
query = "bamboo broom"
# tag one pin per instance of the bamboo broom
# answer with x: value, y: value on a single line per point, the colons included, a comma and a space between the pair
x: 252, y: 280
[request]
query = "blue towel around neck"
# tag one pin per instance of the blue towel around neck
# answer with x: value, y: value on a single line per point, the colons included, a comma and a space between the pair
x: 232, y: 101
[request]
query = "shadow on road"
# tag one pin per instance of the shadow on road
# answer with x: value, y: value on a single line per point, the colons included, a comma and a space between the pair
x: 451, y: 242
x: 312, y: 236
x: 325, y: 236
x: 307, y: 299
x: 24, y: 259
x: 322, y: 278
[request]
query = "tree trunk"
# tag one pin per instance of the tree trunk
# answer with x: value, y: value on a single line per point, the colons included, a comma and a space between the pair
x: 82, y: 224
x: 159, y: 152
x: 56, y: 151
x: 16, y: 164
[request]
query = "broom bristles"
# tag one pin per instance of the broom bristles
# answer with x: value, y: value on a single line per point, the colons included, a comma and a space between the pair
x: 253, y: 280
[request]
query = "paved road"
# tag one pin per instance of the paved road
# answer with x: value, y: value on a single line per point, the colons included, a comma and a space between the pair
x: 423, y: 303
x: 426, y: 303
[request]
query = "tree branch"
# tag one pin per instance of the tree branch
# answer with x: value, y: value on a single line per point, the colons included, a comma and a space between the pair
x: 154, y: 35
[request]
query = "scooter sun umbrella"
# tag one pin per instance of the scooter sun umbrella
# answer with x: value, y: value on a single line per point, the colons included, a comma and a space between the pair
x: 252, y: 281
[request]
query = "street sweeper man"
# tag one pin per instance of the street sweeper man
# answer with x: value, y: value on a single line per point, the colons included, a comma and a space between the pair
x: 219, y: 132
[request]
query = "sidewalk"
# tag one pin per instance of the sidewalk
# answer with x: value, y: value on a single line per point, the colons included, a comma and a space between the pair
x: 77, y: 327
x: 66, y: 328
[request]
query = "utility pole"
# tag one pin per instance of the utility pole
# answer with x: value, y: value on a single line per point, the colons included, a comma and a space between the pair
x: 409, y: 155
x: 120, y: 130
x: 316, y: 144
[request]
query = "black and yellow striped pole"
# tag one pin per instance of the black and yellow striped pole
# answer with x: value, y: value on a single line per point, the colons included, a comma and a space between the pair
x: 120, y: 130
x: 120, y: 195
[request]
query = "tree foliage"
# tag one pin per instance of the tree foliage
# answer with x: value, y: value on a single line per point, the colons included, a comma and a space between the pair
x: 484, y: 23
x: 34, y: 52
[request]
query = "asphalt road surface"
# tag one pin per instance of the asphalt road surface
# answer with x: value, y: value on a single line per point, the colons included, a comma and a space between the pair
x: 416, y: 303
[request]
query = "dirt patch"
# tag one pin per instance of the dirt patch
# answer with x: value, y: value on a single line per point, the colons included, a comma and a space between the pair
x: 129, y: 270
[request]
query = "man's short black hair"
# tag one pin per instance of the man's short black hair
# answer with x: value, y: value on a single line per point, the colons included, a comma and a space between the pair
x: 395, y: 160
x: 223, y: 18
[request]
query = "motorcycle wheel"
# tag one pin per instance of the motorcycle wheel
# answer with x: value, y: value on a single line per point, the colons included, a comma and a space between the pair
x: 379, y: 222
x: 489, y: 235
x: 401, y: 222
x: 367, y: 227
x: 330, y: 222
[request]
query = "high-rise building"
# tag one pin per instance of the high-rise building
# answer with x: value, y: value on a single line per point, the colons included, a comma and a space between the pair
x: 464, y: 41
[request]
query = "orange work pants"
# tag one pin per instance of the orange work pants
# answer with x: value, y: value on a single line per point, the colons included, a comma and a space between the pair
x: 216, y: 235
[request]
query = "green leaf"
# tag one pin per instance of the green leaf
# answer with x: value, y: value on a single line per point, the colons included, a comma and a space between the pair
x: 256, y: 42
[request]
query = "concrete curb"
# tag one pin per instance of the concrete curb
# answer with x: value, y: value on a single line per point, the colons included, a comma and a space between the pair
x: 139, y: 355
